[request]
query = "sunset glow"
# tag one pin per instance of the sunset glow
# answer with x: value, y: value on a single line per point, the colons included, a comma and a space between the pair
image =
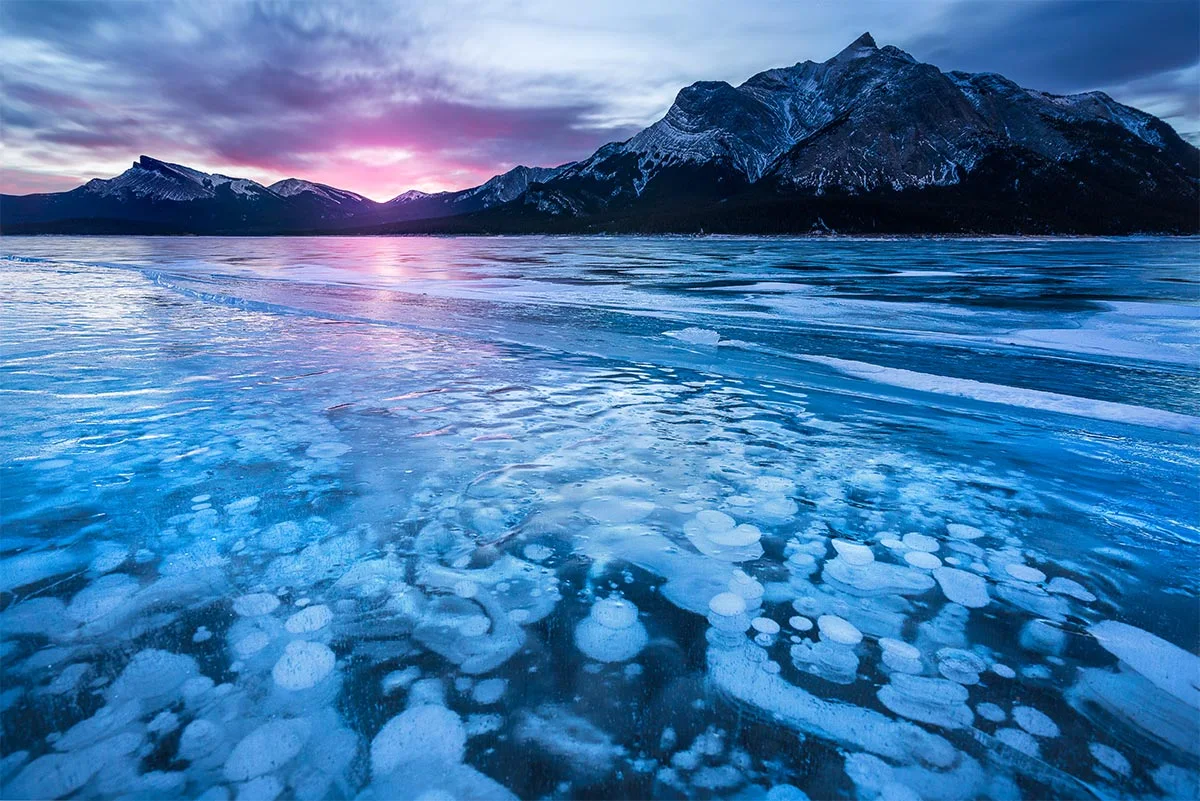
x: 381, y: 99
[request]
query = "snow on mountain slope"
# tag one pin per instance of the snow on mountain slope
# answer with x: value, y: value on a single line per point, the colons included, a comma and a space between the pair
x: 410, y: 196
x: 510, y: 185
x: 869, y: 118
x: 290, y: 187
x: 159, y: 180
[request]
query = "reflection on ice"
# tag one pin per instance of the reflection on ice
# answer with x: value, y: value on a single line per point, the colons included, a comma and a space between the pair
x: 237, y: 564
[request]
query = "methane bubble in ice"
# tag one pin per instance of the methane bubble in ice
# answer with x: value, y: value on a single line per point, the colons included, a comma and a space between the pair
x: 426, y: 732
x: 260, y: 603
x: 937, y: 701
x: 309, y: 619
x: 961, y: 587
x: 718, y: 535
x: 611, y: 632
x: 303, y: 665
x: 837, y: 630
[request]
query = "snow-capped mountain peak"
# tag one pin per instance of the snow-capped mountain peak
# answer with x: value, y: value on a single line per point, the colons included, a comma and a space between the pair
x: 862, y: 47
x: 162, y: 180
x: 410, y: 196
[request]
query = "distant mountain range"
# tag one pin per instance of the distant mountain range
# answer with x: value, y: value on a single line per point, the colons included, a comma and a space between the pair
x: 870, y: 141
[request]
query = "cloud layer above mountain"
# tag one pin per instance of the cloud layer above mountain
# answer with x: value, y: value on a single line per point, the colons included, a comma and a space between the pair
x: 380, y: 98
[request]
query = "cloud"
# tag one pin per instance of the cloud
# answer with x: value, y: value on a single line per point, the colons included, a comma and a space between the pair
x: 380, y: 97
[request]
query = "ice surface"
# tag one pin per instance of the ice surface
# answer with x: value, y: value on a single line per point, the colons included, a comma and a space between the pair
x: 696, y: 336
x: 453, y: 519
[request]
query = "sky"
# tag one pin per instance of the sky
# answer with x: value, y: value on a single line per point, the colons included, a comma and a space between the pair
x: 383, y: 97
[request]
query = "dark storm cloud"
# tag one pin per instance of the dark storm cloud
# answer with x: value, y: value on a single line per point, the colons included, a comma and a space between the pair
x: 1067, y: 45
x: 382, y: 96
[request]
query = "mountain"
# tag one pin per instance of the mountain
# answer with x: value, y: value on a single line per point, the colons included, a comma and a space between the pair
x: 869, y: 141
x: 156, y: 196
x: 873, y: 140
x: 501, y: 189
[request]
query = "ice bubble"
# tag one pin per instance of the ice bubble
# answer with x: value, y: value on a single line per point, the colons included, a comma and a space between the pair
x: 875, y: 578
x: 153, y: 676
x: 962, y: 531
x: 695, y: 336
x: 68, y: 679
x: 466, y: 589
x: 428, y: 732
x: 800, y: 623
x: 286, y: 536
x: 251, y: 644
x: 616, y: 510
x: 1177, y: 782
x: 854, y: 553
x: 838, y: 630
x: 830, y: 660
x: 764, y: 625
x: 937, y: 701
x: 960, y: 666
x: 242, y: 505
x: 614, y: 613
x: 611, y: 632
x: 574, y: 740
x: 109, y: 556
x: 474, y: 626
x: 267, y: 748
x: 1110, y: 758
x: 776, y: 509
x: 892, y: 543
x: 538, y: 553
x: 727, y: 604
x: 1025, y: 573
x: 748, y: 587
x: 303, y: 665
x: 786, y: 792
x: 326, y: 450
x: 1004, y: 671
x: 103, y: 596
x: 962, y: 587
x: 1019, y: 740
x: 920, y: 542
x: 400, y: 679
x: 28, y: 568
x: 923, y: 560
x: 900, y: 648
x: 55, y: 775
x: 1065, y: 586
x: 1035, y: 722
x: 1168, y: 666
x: 259, y: 603
x: 262, y: 788
x: 489, y: 691
x: 716, y: 534
x: 1043, y: 637
x: 309, y: 619
x: 989, y: 711
x: 199, y: 739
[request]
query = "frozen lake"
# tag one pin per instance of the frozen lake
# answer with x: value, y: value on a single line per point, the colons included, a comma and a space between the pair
x: 392, y: 518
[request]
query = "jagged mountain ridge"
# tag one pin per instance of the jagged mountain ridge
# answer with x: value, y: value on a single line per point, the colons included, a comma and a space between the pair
x: 869, y: 140
x: 160, y: 197
x: 868, y: 120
